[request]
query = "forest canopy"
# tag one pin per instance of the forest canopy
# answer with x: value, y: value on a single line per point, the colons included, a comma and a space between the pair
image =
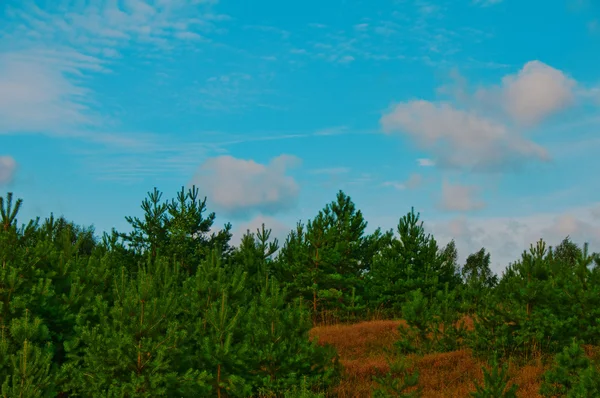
x: 171, y: 309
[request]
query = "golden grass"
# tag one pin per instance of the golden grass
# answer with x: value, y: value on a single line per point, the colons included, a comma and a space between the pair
x: 365, y: 347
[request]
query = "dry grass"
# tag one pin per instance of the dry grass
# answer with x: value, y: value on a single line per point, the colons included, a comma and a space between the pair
x: 364, y: 348
x: 360, y: 340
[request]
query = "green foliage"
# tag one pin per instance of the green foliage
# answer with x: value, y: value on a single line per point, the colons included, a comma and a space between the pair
x: 397, y: 381
x: 284, y: 356
x: 164, y: 311
x: 541, y: 303
x: 573, y: 375
x: 478, y: 280
x: 31, y: 375
x: 326, y: 260
x: 255, y: 255
x: 176, y: 229
x: 8, y: 212
x: 173, y: 310
x: 495, y: 383
x: 136, y: 345
x: 432, y: 325
x: 411, y: 262
x: 302, y: 391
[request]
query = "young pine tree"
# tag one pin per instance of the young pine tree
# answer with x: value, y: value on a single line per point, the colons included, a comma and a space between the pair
x: 136, y: 348
x: 573, y: 375
x: 284, y: 356
x: 495, y: 383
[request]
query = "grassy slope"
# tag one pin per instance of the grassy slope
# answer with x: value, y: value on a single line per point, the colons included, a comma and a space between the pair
x: 363, y: 351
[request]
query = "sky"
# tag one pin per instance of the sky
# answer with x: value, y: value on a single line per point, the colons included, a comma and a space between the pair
x: 483, y: 115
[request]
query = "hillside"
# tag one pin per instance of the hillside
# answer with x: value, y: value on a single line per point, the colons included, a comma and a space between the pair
x: 365, y: 347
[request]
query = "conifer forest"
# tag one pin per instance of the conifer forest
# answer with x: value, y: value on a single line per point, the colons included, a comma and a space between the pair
x: 173, y: 309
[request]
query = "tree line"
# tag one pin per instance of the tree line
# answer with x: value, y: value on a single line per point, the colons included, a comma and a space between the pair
x: 172, y: 309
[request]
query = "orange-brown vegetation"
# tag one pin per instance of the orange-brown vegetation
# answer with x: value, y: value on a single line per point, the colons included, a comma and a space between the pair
x: 365, y: 348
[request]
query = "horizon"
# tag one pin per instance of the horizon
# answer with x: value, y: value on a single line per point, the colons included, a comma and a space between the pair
x: 483, y: 115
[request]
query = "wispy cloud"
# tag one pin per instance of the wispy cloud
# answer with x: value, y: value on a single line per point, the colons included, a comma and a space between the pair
x: 36, y: 95
x: 417, y: 25
x: 48, y: 54
x: 135, y: 157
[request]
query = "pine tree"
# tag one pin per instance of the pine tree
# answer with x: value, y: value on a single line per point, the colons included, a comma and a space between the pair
x: 573, y: 375
x: 8, y: 213
x: 495, y: 383
x: 215, y: 301
x: 137, y: 346
x: 397, y: 381
x: 188, y: 230
x: 221, y: 352
x: 149, y: 234
x: 540, y: 304
x: 410, y: 262
x: 26, y: 292
x: 326, y: 260
x: 283, y: 354
x: 26, y: 358
x: 177, y: 228
x: 255, y: 255
x: 31, y: 374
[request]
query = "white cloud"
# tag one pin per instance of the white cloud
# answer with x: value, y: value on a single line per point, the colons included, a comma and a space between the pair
x: 239, y: 186
x: 460, y: 138
x: 534, y: 93
x: 485, y: 130
x: 456, y: 197
x: 8, y: 166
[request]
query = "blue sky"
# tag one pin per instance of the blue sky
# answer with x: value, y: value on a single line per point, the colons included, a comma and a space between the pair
x: 484, y: 115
